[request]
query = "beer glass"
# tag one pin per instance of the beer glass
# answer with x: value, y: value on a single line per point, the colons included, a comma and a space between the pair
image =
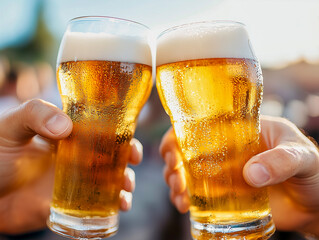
x: 104, y: 78
x: 210, y: 84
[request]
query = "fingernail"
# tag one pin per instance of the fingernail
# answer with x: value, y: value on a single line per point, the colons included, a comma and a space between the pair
x: 130, y: 174
x: 128, y: 196
x: 58, y: 124
x: 131, y: 177
x: 128, y: 199
x: 258, y: 174
x: 138, y: 145
x: 125, y: 200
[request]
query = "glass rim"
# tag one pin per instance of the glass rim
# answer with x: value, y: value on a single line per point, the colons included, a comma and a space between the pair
x: 173, y: 28
x: 99, y: 17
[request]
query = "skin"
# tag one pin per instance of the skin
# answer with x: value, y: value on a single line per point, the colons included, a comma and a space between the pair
x: 289, y: 165
x: 28, y: 136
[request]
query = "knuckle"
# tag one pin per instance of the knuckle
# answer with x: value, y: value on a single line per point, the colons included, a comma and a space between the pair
x: 281, y: 124
x: 284, y: 164
x: 31, y: 108
x: 32, y: 105
x: 283, y: 121
x: 293, y: 153
x: 287, y: 125
x: 309, y: 162
x: 282, y: 154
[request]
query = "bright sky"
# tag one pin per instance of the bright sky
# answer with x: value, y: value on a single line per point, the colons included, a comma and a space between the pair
x: 281, y: 31
x: 17, y: 21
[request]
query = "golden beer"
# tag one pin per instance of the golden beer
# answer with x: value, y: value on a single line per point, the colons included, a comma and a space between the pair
x: 104, y: 76
x: 103, y: 99
x: 214, y: 107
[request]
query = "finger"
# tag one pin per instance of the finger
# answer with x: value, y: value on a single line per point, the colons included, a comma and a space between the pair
x: 136, y: 152
x: 170, y: 151
x: 293, y: 156
x: 174, y: 159
x: 125, y: 200
x: 276, y: 165
x: 167, y: 173
x: 174, y: 178
x: 34, y: 117
x: 177, y: 182
x: 180, y: 201
x: 168, y: 142
x: 129, y: 180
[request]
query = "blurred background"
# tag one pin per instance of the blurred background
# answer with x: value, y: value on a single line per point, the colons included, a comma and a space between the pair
x: 284, y: 34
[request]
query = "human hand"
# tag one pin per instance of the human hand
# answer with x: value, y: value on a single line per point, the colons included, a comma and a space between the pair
x: 289, y: 164
x: 27, y: 141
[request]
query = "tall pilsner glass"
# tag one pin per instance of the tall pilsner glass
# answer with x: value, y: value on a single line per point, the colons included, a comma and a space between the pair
x: 104, y: 78
x: 210, y: 84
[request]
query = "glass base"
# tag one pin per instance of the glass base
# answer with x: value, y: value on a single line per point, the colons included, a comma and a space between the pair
x: 258, y: 229
x: 82, y: 228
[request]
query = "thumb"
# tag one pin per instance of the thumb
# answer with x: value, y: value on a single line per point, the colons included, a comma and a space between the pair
x: 20, y: 124
x: 290, y: 154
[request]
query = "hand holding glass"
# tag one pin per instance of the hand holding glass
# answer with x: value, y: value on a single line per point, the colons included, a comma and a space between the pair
x: 210, y: 84
x: 104, y: 78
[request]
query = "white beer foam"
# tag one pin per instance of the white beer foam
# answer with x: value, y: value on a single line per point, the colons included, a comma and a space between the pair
x: 78, y: 46
x: 189, y: 43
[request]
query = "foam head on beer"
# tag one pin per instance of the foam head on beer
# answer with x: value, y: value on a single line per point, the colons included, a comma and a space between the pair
x: 78, y: 46
x: 188, y: 43
x: 210, y: 84
x: 104, y: 76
